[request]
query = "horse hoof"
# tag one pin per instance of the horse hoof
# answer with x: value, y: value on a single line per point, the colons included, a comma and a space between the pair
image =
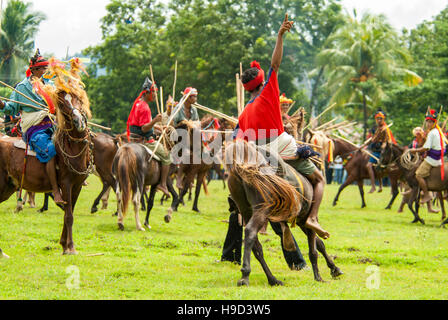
x: 70, y: 252
x: 335, y: 273
x: 415, y: 221
x: 121, y: 227
x: 196, y: 210
x: 93, y: 210
x: 3, y: 255
x: 141, y: 229
x: 243, y: 282
x: 334, y: 204
x: 275, y: 283
x: 167, y: 218
x: 422, y: 221
x: 115, y: 214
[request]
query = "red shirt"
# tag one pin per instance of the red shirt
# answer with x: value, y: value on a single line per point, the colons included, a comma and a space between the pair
x: 263, y: 112
x: 140, y: 114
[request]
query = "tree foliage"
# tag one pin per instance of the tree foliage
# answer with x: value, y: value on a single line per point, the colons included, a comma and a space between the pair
x: 19, y: 25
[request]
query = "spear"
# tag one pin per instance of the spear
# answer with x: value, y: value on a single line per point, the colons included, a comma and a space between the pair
x: 45, y: 109
x: 325, y: 111
x: 175, y: 80
x: 363, y: 150
x: 152, y: 78
x: 217, y: 113
x: 179, y: 107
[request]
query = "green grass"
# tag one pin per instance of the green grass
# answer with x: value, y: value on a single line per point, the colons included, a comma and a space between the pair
x: 177, y: 260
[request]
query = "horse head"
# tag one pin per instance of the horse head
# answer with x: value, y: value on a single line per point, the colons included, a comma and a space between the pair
x: 389, y: 154
x: 71, y: 112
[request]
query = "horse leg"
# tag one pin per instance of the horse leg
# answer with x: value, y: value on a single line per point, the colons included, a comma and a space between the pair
x: 414, y: 198
x: 361, y: 192
x: 105, y: 189
x: 66, y: 236
x: 105, y: 199
x: 335, y: 271
x: 119, y: 211
x: 32, y: 199
x: 258, y: 253
x: 312, y: 247
x: 395, y: 192
x: 45, y: 205
x: 347, y: 182
x: 175, y: 201
x: 138, y: 196
x: 150, y: 205
x: 442, y: 205
x: 199, y: 180
x: 250, y: 238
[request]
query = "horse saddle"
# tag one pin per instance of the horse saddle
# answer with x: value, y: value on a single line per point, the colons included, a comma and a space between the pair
x: 150, y: 152
x: 20, y: 144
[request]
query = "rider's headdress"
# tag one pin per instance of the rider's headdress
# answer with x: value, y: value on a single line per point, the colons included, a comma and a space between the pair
x: 254, y: 83
x: 36, y: 61
x: 380, y: 114
x: 194, y: 91
x: 283, y: 99
x: 432, y: 115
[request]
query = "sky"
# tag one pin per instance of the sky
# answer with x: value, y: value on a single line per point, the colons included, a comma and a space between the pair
x: 75, y: 24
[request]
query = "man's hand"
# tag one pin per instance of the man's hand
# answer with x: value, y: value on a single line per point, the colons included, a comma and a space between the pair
x: 158, y: 118
x: 286, y: 26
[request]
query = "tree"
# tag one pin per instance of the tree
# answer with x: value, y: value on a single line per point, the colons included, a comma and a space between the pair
x: 360, y: 57
x: 19, y: 26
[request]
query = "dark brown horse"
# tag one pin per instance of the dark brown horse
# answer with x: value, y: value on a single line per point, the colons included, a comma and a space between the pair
x: 261, y: 195
x: 392, y: 154
x: 74, y: 161
x: 356, y: 167
x: 134, y: 169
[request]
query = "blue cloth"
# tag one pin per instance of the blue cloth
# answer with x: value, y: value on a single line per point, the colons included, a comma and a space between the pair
x: 376, y: 154
x: 42, y: 144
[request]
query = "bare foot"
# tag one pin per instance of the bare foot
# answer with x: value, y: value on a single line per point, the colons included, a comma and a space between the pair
x: 372, y: 190
x: 164, y: 190
x: 380, y: 190
x: 431, y: 210
x: 58, y: 199
x: 315, y: 226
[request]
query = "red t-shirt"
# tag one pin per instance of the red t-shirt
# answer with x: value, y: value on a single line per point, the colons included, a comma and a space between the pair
x: 140, y: 114
x: 263, y: 112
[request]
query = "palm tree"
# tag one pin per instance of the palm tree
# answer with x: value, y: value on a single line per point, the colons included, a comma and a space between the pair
x: 19, y: 26
x: 359, y: 58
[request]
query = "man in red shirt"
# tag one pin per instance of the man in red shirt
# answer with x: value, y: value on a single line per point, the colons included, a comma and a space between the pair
x: 141, y: 124
x: 261, y: 121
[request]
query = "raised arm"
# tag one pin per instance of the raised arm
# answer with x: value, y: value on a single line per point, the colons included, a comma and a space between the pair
x: 278, y: 50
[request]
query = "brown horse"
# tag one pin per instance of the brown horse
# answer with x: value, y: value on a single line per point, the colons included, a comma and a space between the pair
x: 74, y: 160
x: 356, y: 167
x: 134, y: 169
x: 392, y: 154
x: 261, y: 195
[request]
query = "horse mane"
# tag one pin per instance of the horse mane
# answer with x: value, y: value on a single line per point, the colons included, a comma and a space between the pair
x: 281, y: 201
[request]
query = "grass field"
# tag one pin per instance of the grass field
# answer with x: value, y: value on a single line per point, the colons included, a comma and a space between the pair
x: 178, y: 260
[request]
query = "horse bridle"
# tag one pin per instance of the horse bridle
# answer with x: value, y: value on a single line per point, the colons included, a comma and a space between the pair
x: 66, y: 133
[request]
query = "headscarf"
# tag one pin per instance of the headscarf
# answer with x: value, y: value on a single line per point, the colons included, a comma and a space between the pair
x: 35, y: 62
x: 283, y: 99
x: 254, y: 83
x: 194, y: 91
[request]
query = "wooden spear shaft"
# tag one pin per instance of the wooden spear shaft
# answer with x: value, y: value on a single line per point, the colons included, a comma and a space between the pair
x: 363, y: 150
x: 45, y: 109
x: 152, y: 78
x: 217, y: 113
x: 325, y: 111
x: 23, y: 95
x: 175, y: 81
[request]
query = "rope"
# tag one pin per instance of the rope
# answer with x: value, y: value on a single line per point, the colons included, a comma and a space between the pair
x: 409, y: 161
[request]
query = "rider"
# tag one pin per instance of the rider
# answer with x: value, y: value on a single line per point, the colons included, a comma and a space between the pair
x: 140, y: 123
x: 285, y: 104
x: 190, y: 113
x: 263, y: 112
x: 382, y: 134
x: 434, y: 148
x: 37, y: 129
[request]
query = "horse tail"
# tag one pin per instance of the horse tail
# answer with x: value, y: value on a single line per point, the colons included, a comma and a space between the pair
x: 281, y: 201
x: 126, y: 175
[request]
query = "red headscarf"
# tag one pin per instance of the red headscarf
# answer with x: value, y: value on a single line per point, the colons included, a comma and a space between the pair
x: 40, y: 62
x: 132, y: 114
x: 253, y: 84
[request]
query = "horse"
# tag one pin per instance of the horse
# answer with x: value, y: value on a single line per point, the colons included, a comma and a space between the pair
x: 392, y: 154
x: 262, y: 195
x: 134, y: 169
x: 74, y: 161
x: 356, y: 167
